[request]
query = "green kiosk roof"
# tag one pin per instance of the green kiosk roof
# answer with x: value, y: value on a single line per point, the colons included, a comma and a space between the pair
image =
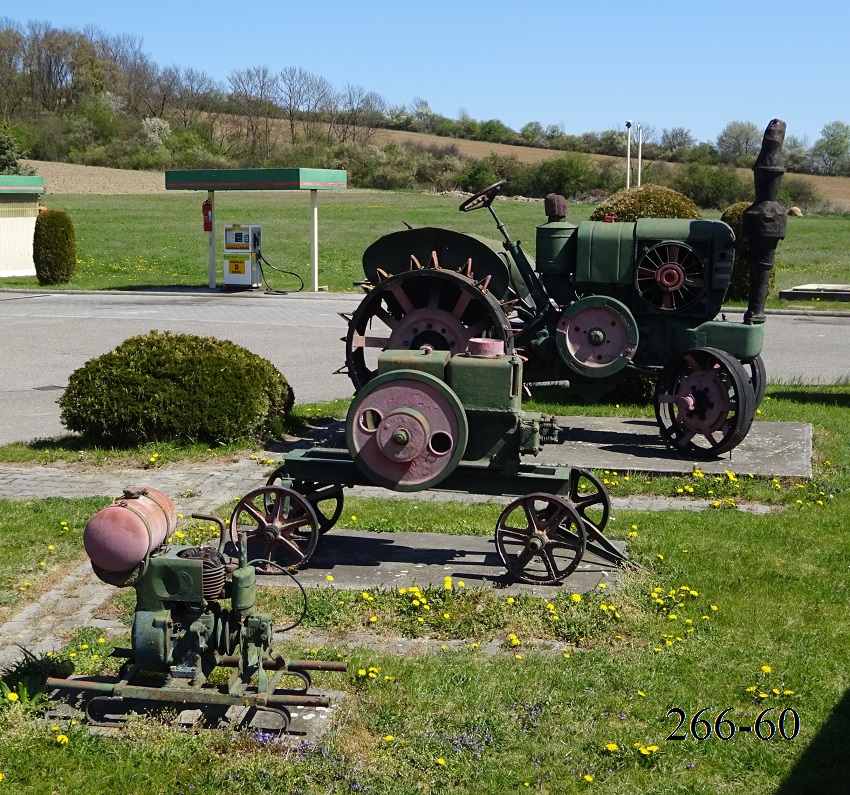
x: 256, y: 179
x: 13, y: 183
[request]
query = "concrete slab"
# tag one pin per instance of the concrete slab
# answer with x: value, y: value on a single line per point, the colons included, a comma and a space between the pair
x: 769, y: 449
x: 826, y: 292
x: 361, y: 560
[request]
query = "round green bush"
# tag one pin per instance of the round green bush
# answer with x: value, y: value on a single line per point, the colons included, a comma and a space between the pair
x: 54, y: 247
x: 739, y: 286
x: 176, y: 387
x: 647, y: 201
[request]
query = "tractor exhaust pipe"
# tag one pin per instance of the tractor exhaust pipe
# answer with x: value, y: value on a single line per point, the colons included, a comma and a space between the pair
x: 765, y: 220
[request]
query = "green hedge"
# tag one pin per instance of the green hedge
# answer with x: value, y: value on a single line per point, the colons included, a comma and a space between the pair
x: 54, y: 247
x: 176, y: 387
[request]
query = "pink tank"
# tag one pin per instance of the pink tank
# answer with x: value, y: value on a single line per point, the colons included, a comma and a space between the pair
x: 120, y: 536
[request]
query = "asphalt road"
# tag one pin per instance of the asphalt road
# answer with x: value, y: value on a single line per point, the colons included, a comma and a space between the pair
x: 49, y: 335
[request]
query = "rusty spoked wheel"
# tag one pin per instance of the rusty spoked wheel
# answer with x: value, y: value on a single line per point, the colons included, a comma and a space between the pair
x: 327, y: 499
x: 541, y: 538
x: 704, y: 403
x: 280, y: 526
x: 589, y: 497
x: 430, y: 306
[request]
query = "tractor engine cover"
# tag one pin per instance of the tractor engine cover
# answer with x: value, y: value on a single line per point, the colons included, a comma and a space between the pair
x: 406, y: 430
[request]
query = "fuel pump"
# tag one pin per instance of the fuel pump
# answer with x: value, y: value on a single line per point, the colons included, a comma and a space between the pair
x: 242, y: 252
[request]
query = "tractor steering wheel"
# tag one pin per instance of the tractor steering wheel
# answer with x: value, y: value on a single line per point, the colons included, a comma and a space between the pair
x: 484, y: 197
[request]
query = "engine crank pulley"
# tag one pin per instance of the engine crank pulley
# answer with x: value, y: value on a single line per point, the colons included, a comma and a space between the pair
x: 406, y: 430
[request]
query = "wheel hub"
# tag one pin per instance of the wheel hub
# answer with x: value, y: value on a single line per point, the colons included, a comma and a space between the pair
x: 670, y: 277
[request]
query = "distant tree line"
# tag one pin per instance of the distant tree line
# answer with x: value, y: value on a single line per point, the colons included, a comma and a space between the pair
x: 87, y: 97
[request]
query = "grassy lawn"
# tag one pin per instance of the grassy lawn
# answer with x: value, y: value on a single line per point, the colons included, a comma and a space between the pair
x: 126, y: 242
x: 732, y: 612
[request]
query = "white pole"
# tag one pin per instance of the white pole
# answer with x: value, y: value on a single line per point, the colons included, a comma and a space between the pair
x: 628, y: 154
x: 211, y: 240
x: 640, y: 150
x: 314, y: 238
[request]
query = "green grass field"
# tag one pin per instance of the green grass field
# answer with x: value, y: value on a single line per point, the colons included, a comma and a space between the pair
x: 141, y: 241
x: 733, y: 612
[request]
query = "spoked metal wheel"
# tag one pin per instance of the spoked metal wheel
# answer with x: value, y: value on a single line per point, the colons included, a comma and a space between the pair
x: 429, y: 306
x: 704, y: 403
x: 327, y: 499
x: 590, y: 498
x: 540, y: 538
x: 280, y: 526
x: 758, y: 377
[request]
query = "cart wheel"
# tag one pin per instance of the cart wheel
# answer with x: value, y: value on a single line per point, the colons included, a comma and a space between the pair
x: 540, y: 538
x: 326, y: 498
x: 704, y: 403
x: 279, y: 524
x: 589, y: 497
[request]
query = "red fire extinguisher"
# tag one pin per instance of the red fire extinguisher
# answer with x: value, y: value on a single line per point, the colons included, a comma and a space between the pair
x: 207, y: 208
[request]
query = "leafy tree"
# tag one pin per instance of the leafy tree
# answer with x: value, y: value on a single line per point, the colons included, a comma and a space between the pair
x: 10, y: 153
x: 739, y: 138
x: 831, y: 152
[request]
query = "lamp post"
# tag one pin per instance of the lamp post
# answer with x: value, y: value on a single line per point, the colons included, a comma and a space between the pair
x: 640, y: 151
x: 628, y: 154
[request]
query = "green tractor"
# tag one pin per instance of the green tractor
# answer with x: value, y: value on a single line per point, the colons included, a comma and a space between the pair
x: 603, y: 301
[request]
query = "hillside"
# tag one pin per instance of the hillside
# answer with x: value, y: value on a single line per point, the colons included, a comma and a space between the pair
x: 73, y: 179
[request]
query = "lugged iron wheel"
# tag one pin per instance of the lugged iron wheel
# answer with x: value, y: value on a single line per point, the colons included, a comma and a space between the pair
x: 429, y: 306
x: 758, y: 377
x: 541, y: 538
x: 704, y: 403
x: 327, y: 499
x: 280, y: 525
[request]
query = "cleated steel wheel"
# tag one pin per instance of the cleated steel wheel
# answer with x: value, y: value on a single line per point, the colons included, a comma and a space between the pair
x: 422, y: 307
x: 758, y: 377
x: 704, y: 403
x: 280, y: 526
x: 541, y: 538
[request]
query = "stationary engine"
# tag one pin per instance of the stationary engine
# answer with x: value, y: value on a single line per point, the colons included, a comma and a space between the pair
x: 180, y: 626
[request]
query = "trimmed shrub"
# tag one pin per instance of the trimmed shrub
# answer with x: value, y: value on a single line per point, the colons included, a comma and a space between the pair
x: 176, y: 387
x: 647, y: 201
x: 739, y: 286
x: 54, y: 247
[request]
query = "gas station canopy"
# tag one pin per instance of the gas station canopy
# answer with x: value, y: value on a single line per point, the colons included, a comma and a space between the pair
x: 211, y: 180
x: 256, y: 179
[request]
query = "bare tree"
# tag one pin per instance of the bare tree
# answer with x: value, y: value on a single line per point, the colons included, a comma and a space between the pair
x: 360, y: 114
x: 253, y: 92
x: 303, y: 96
x: 676, y: 138
x: 12, y: 48
x: 191, y: 96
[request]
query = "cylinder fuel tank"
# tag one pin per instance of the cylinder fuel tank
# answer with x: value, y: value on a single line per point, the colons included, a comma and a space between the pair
x: 119, y: 537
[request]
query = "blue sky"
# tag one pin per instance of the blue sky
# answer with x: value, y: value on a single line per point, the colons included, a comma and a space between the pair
x: 587, y: 66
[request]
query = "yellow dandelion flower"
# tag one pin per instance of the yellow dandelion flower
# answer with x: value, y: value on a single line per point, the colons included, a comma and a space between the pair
x: 611, y: 747
x: 62, y: 739
x: 329, y: 577
x: 766, y: 669
x: 441, y: 761
x: 12, y: 696
x: 588, y: 778
x: 389, y: 738
x: 576, y: 597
